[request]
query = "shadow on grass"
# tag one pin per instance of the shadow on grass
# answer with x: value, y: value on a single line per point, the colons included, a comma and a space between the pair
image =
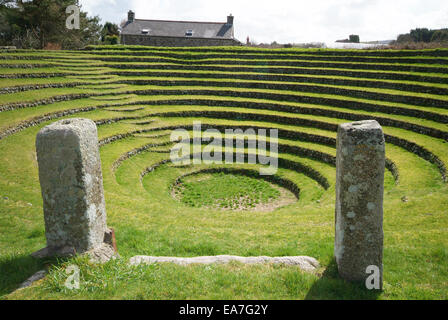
x: 16, y: 268
x: 331, y: 287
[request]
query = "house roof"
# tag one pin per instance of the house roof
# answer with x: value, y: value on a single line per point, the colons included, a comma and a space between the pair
x: 166, y: 28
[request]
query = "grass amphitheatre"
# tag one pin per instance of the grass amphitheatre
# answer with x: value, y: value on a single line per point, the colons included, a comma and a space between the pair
x: 138, y: 95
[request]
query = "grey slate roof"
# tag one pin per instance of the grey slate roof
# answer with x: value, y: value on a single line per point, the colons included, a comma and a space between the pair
x: 165, y: 28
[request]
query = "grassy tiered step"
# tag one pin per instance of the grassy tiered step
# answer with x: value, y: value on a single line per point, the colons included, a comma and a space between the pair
x: 139, y: 95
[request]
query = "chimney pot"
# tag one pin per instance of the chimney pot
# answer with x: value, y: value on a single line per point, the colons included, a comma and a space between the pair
x: 131, y: 16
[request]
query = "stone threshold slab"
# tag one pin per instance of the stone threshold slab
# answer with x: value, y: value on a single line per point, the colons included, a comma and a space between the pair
x: 303, y: 262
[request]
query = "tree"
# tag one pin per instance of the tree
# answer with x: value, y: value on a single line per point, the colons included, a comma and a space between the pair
x: 404, y: 38
x: 354, y: 38
x: 9, y: 22
x: 421, y: 35
x: 36, y: 23
x: 440, y: 36
x: 89, y: 33
x: 424, y: 35
x: 110, y: 31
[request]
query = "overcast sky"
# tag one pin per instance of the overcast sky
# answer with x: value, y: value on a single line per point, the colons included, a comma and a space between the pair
x: 289, y: 21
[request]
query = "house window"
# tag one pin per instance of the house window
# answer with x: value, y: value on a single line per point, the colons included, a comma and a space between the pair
x: 189, y: 33
x: 145, y: 31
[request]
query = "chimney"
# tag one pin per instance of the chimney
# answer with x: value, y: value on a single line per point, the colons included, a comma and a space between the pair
x: 131, y: 16
x: 230, y: 19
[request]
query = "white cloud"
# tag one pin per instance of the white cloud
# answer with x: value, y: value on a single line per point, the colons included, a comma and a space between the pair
x: 289, y: 20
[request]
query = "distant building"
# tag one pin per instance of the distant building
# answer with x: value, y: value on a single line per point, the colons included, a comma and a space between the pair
x: 177, y: 33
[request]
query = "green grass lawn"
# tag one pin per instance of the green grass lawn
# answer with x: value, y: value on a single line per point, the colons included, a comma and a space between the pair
x: 189, y: 211
x: 224, y: 191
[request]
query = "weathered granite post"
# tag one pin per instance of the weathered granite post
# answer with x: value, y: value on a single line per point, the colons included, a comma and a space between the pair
x: 72, y: 190
x: 359, y: 200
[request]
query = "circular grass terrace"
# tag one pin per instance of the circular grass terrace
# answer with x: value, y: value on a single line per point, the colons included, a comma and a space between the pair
x: 139, y: 95
x: 241, y: 190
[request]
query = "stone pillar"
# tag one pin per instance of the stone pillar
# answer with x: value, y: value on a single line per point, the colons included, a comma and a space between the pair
x: 72, y: 187
x: 360, y: 166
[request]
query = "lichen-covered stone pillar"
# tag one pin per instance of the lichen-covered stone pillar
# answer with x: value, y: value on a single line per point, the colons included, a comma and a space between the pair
x: 360, y: 166
x: 72, y: 187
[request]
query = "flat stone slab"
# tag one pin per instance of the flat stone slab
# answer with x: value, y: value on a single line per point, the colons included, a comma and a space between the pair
x: 61, y: 252
x: 35, y: 277
x: 101, y: 254
x: 303, y: 262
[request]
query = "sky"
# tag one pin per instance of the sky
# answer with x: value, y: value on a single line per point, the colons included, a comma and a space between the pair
x: 288, y: 21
